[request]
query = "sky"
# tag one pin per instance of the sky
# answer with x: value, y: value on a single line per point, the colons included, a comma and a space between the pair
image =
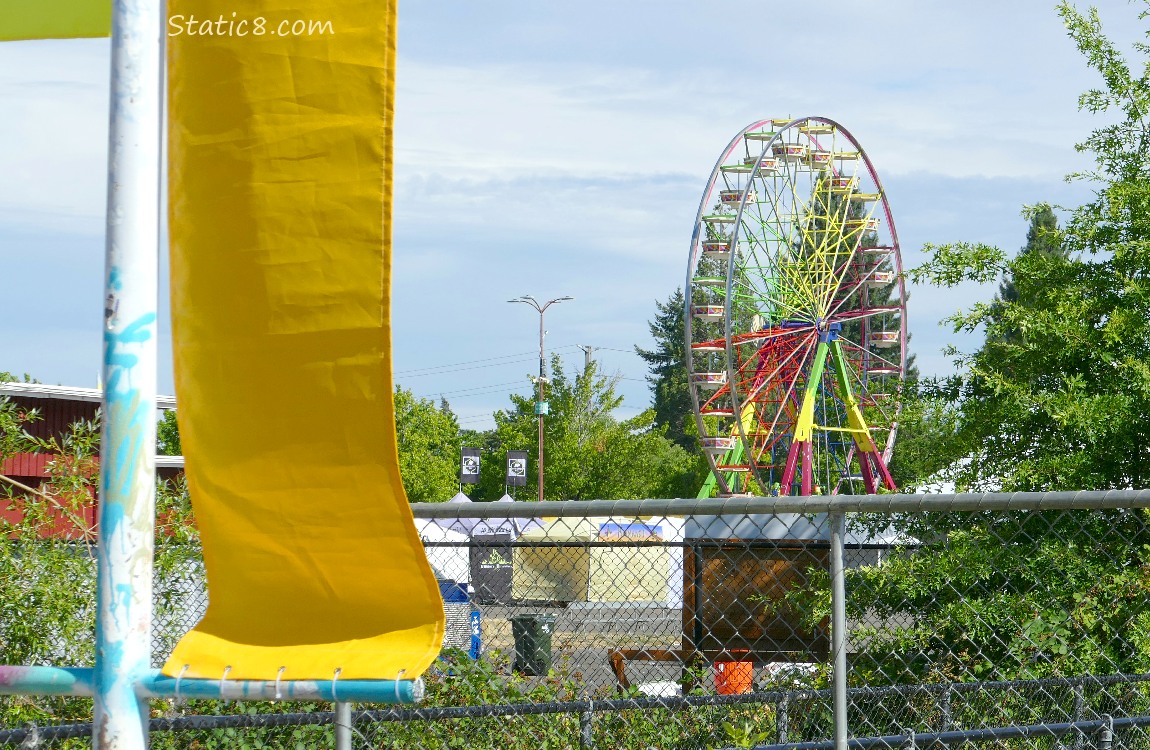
x: 561, y: 149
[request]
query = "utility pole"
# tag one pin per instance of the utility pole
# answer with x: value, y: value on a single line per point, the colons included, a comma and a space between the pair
x: 540, y: 405
x: 587, y: 356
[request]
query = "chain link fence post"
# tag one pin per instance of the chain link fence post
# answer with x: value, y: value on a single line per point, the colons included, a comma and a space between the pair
x: 32, y: 739
x: 838, y: 628
x: 783, y: 709
x: 1106, y: 734
x: 1079, y: 714
x: 342, y: 726
x: 586, y: 742
x: 946, y: 708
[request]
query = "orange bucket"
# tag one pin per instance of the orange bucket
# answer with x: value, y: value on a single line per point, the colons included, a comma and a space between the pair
x: 734, y: 677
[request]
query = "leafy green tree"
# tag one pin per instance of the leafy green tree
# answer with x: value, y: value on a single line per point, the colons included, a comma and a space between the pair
x: 589, y: 454
x: 667, y: 372
x: 12, y: 422
x: 929, y: 437
x: 429, y: 443
x: 1056, y: 396
x: 1054, y: 399
x: 168, y: 435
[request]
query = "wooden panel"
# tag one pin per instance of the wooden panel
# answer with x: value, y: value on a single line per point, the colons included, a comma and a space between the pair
x: 735, y: 597
x: 56, y: 419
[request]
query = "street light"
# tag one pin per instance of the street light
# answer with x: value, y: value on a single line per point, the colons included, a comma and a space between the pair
x: 540, y: 405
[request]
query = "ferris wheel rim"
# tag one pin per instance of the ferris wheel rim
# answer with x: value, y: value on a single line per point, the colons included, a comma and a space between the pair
x: 692, y: 264
x: 901, y: 281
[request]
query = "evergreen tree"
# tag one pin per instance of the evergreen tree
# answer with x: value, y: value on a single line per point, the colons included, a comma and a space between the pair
x: 668, y: 372
x: 1042, y: 240
x: 1041, y: 237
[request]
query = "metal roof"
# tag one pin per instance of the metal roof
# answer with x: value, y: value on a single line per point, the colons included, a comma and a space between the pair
x: 69, y: 393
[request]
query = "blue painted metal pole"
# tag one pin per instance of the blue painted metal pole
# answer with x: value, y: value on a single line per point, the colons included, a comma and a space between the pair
x: 46, y: 681
x: 151, y: 683
x: 156, y: 685
x: 127, y: 460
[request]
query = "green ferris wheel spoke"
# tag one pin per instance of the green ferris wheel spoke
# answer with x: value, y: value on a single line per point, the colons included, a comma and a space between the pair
x: 857, y: 424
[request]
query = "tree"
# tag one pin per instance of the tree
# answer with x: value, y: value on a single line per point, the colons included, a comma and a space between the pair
x: 1041, y: 238
x: 667, y: 372
x: 1056, y: 396
x: 168, y: 435
x: 999, y: 596
x: 588, y: 453
x: 1054, y: 399
x: 929, y: 438
x: 429, y: 443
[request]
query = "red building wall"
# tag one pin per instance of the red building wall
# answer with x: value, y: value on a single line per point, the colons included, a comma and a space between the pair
x: 30, y: 469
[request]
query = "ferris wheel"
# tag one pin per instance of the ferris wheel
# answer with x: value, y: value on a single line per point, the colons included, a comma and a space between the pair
x: 795, y: 315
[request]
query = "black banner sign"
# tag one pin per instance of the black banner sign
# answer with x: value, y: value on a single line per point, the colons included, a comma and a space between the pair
x: 469, y: 466
x: 516, y: 468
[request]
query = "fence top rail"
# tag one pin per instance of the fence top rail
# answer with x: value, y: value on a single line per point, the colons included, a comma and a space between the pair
x: 895, y: 503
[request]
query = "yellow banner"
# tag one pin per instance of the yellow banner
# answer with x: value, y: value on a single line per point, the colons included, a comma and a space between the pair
x: 280, y: 179
x: 54, y: 19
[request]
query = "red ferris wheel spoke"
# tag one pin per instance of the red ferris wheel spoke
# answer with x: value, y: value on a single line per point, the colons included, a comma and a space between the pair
x: 788, y: 403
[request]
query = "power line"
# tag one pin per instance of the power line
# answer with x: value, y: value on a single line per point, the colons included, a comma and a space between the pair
x: 475, y: 418
x: 505, y: 359
x: 477, y: 388
x: 465, y: 396
x: 446, y: 369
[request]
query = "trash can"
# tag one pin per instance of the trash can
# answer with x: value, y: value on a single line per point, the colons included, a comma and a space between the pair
x: 532, y: 634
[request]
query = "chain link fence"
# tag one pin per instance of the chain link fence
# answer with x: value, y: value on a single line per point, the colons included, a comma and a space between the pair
x: 711, y: 624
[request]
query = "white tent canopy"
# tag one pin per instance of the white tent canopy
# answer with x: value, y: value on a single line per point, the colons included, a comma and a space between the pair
x: 486, y: 526
x: 446, y: 550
